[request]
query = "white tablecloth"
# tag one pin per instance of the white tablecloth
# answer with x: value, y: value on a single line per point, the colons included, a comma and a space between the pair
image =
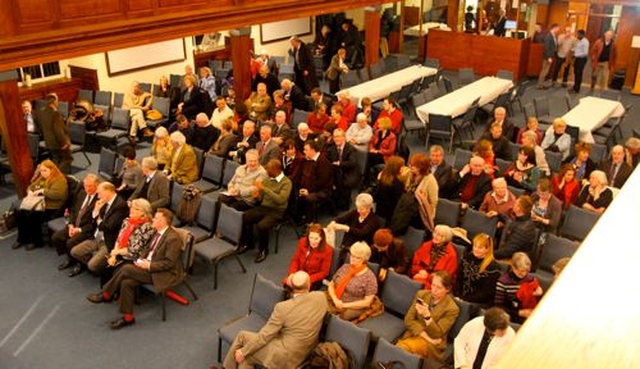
x: 458, y: 102
x: 415, y: 30
x: 592, y: 113
x: 379, y: 88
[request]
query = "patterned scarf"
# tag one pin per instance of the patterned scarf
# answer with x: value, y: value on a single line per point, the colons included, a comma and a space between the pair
x: 125, y: 234
x: 437, y: 252
x: 342, y: 285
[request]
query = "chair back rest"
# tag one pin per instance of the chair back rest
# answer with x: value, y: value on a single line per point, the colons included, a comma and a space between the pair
x: 63, y: 108
x: 517, y: 192
x: 77, y: 131
x: 505, y: 74
x: 230, y: 223
x: 264, y: 296
x: 554, y: 159
x: 432, y: 63
x: 175, y: 79
x: 574, y: 132
x: 374, y: 267
x: 162, y: 104
x: 514, y: 148
x: 447, y: 212
x: 386, y: 352
x: 146, y: 87
x: 107, y: 163
x: 461, y: 320
x: 85, y: 95
x: 541, y: 104
x: 213, y: 168
x: 187, y: 247
x: 466, y: 75
x: 478, y: 222
x: 103, y: 97
x: 34, y: 145
x: 363, y: 74
x: 229, y: 171
x: 441, y: 123
x: 119, y: 163
x: 461, y: 158
x: 335, y: 261
x: 578, y: 223
x: 118, y: 99
x: 448, y: 86
x: 351, y: 337
x: 207, y: 213
x: 299, y: 116
x: 176, y: 195
x: 554, y: 249
x: 470, y: 114
x: 529, y: 111
x: 403, y: 61
x: 120, y: 119
x: 398, y: 291
x: 375, y: 70
x: 502, y: 164
x: 598, y: 152
x: 412, y: 240
x: 199, y: 157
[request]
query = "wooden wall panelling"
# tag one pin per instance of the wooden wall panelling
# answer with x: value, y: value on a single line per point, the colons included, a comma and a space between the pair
x: 138, y: 5
x: 558, y: 13
x: 12, y: 125
x: 169, y: 3
x: 73, y: 9
x: 626, y: 57
x: 65, y: 88
x: 372, y: 36
x: 32, y: 11
x: 494, y: 53
x: 542, y: 15
x: 201, y: 58
x: 534, y: 60
x: 88, y: 76
x: 240, y: 46
x: 452, y: 48
x: 452, y: 14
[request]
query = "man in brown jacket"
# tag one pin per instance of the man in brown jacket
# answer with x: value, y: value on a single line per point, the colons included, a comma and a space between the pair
x: 51, y: 125
x: 603, y: 60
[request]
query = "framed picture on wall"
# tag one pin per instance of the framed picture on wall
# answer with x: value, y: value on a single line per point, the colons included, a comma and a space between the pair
x: 278, y: 31
x: 146, y: 56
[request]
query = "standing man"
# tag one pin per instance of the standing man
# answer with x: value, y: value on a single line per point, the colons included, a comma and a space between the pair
x: 603, y: 60
x: 303, y: 65
x: 315, y: 180
x: 580, y: 54
x: 161, y: 267
x: 51, y: 125
x: 288, y: 336
x: 548, y: 54
x: 566, y: 43
x: 500, y: 29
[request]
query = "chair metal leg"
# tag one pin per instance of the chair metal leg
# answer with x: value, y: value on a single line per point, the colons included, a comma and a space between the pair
x: 163, y: 296
x: 219, y: 348
x: 86, y: 157
x: 193, y: 294
x: 215, y: 275
x: 244, y: 270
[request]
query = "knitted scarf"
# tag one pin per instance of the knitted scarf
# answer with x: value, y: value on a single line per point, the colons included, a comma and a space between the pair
x: 342, y: 285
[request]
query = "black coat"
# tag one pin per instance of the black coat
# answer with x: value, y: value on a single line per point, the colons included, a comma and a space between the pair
x: 347, y: 173
x: 112, y: 220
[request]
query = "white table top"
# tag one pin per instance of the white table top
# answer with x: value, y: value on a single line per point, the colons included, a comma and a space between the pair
x: 381, y: 87
x: 415, y: 30
x: 592, y: 113
x: 458, y: 102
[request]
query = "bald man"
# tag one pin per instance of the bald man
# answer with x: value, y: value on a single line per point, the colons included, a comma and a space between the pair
x: 616, y: 168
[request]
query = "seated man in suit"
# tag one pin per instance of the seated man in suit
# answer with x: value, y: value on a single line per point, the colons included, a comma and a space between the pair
x: 500, y: 144
x: 155, y: 186
x: 346, y: 169
x: 161, y: 267
x: 109, y: 212
x: 81, y: 225
x: 247, y: 141
x: 441, y: 170
x: 616, y: 168
x: 472, y: 183
x: 281, y: 130
x: 242, y: 193
x: 314, y: 182
x: 184, y: 165
x: 268, y: 149
x: 304, y: 135
x: 273, y: 194
x: 500, y: 117
x: 259, y: 103
x: 288, y: 336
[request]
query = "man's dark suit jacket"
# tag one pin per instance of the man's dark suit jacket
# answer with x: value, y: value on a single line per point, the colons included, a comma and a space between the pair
x: 283, y: 132
x: 112, y: 220
x: 326, y: 100
x: 298, y: 98
x: 624, y: 172
x: 320, y: 178
x: 550, y: 46
x: 444, y: 176
x: 271, y: 81
x: 271, y: 151
x: 157, y: 191
x: 483, y: 185
x: 227, y: 143
x: 348, y: 171
x: 51, y: 125
x: 85, y: 222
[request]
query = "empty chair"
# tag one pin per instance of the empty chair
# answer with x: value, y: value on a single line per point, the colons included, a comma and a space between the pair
x: 505, y: 74
x: 211, y: 174
x: 185, y: 260
x: 199, y: 158
x: 543, y: 111
x: 363, y: 74
x: 578, y: 223
x: 447, y: 212
x: 86, y: 95
x: 349, y: 336
x: 515, y: 149
x: 554, y: 159
x: 448, y: 86
x: 375, y: 70
x: 518, y: 92
x: 517, y: 192
x: 224, y: 243
x: 598, y: 152
x: 608, y: 134
x: 397, y: 296
x: 440, y: 126
x: 215, y: 64
x: 205, y: 220
x: 299, y: 116
x: 264, y: 296
x: 77, y: 136
x: 146, y: 87
x: 404, y: 61
x: 465, y: 123
x: 119, y: 126
x: 388, y: 353
x: 461, y: 320
x: 502, y: 164
x: 466, y: 76
x: 118, y: 99
x: 614, y: 95
x: 554, y: 249
x: 103, y: 98
x: 107, y: 164
x: 63, y: 109
x: 176, y: 194
x: 461, y: 158
x: 477, y: 222
x: 161, y: 104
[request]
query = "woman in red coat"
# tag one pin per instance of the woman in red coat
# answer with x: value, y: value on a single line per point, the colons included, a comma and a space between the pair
x: 432, y: 256
x: 313, y: 256
x: 565, y: 185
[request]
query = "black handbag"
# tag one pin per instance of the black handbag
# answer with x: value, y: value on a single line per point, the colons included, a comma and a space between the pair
x: 8, y: 220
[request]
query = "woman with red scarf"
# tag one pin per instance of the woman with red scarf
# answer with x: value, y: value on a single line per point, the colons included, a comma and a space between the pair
x: 432, y: 256
x: 354, y: 286
x: 313, y: 256
x: 134, y: 236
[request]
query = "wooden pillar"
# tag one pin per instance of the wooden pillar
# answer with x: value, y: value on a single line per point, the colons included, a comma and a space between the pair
x: 240, y: 46
x: 372, y: 36
x: 452, y: 14
x: 14, y: 135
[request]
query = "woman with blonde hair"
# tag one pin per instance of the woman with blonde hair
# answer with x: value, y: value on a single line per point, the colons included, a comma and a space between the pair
x: 51, y: 184
x: 161, y: 148
x: 478, y: 272
x: 208, y: 83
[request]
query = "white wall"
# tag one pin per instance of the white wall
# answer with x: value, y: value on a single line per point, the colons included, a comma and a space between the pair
x: 122, y: 82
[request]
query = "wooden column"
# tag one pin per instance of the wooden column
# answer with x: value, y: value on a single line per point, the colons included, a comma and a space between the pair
x: 14, y: 135
x: 452, y: 14
x: 371, y: 36
x: 240, y: 46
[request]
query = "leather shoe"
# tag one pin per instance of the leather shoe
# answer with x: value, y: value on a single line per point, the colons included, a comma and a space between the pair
x: 147, y: 132
x: 31, y: 246
x: 121, y: 323
x: 241, y: 249
x: 96, y: 298
x: 65, y: 264
x: 16, y: 245
x: 77, y: 270
x: 262, y: 256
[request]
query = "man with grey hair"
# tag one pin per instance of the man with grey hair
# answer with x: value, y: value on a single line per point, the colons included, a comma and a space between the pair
x: 632, y: 149
x: 281, y: 130
x: 204, y: 133
x: 616, y: 168
x: 289, y: 335
x: 184, y: 165
x: 155, y: 185
x: 441, y: 170
x: 242, y: 193
x: 360, y: 132
x: 294, y: 94
x: 304, y: 135
x: 268, y: 148
x: 500, y: 117
x: 603, y: 60
x: 81, y: 226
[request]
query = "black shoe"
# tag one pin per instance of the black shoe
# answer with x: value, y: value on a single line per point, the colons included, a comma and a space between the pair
x: 77, y: 270
x: 262, y: 256
x: 16, y: 245
x: 65, y: 264
x: 121, y: 323
x: 241, y: 249
x: 32, y: 246
x: 96, y: 298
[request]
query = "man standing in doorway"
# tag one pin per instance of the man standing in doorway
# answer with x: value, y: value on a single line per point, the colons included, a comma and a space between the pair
x: 603, y: 60
x: 548, y: 54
